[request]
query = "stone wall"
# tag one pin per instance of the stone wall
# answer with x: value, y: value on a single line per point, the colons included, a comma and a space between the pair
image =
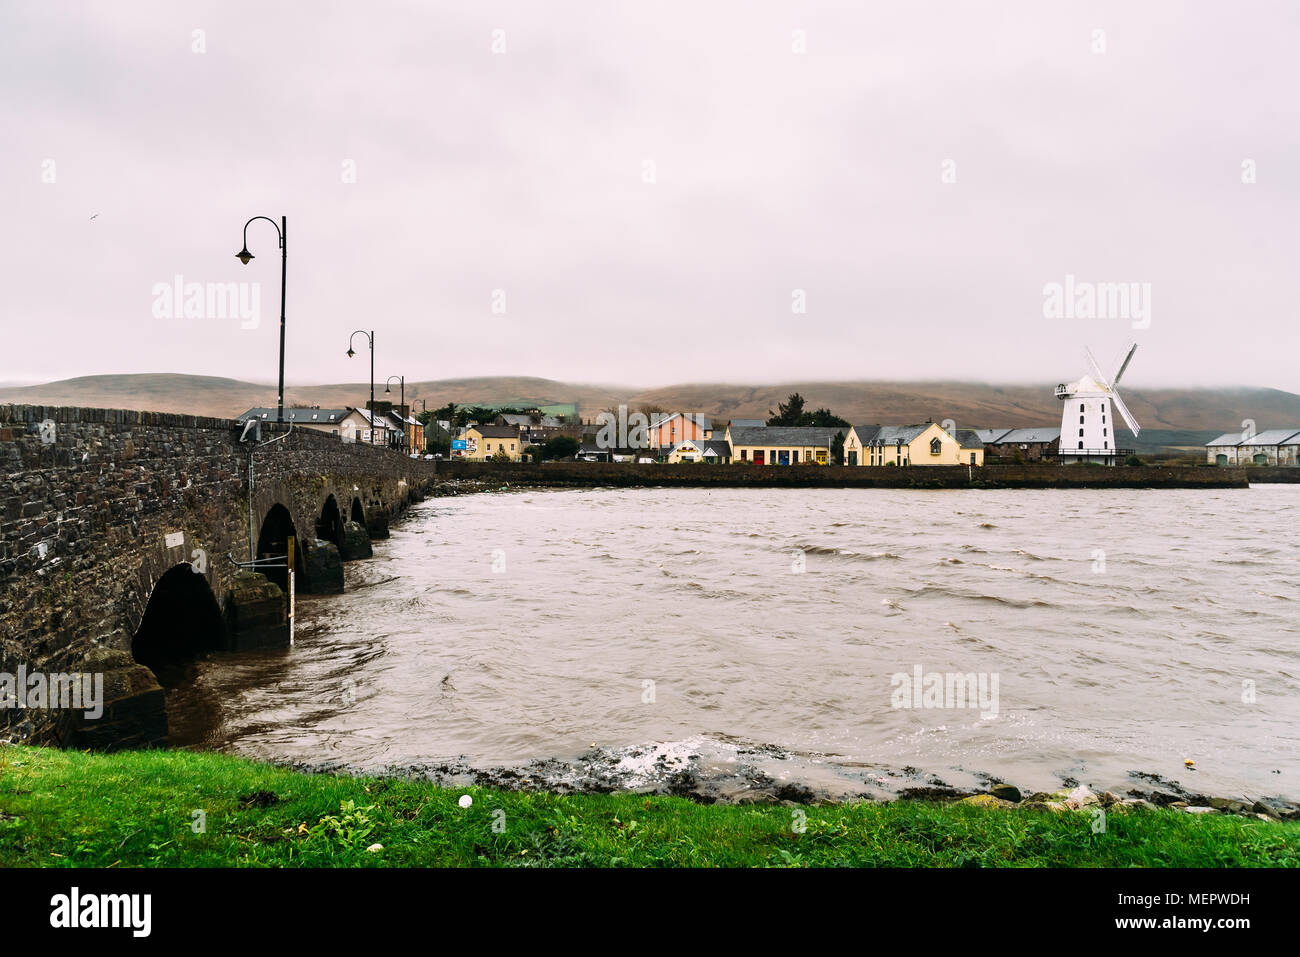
x: 96, y: 508
x: 829, y: 476
x: 1265, y: 474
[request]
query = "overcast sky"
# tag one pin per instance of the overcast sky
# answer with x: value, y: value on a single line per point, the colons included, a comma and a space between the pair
x: 644, y: 188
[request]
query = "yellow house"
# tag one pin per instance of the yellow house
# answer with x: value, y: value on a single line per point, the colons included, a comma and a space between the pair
x: 926, y: 444
x: 485, y: 441
x: 781, y: 445
x: 700, y: 450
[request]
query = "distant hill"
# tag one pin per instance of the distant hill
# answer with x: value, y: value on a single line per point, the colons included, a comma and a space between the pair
x: 1186, y: 412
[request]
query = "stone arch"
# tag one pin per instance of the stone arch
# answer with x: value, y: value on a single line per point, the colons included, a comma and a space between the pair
x: 329, y: 526
x: 358, y: 511
x: 181, y: 621
x: 273, y: 541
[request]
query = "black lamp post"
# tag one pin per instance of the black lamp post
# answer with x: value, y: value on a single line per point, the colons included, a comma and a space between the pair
x: 388, y: 391
x: 245, y: 256
x: 371, y: 336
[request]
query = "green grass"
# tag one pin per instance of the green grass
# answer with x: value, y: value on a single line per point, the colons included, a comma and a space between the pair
x: 70, y: 809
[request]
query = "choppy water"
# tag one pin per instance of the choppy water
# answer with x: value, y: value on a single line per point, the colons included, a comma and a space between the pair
x: 496, y: 629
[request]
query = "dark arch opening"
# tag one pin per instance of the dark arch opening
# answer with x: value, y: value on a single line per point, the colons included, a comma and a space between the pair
x: 273, y: 542
x: 358, y: 513
x: 330, y: 525
x: 181, y: 622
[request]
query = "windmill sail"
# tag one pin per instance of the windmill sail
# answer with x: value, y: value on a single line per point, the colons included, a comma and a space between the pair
x: 1123, y: 410
x: 1127, y: 359
x: 1096, y: 369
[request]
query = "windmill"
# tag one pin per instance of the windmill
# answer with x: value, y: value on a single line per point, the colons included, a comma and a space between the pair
x: 1087, y: 422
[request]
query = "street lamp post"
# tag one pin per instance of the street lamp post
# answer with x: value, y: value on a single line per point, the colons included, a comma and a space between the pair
x: 388, y: 391
x: 245, y: 256
x: 371, y: 336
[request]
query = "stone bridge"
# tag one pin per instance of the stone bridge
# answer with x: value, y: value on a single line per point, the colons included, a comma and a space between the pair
x: 120, y: 536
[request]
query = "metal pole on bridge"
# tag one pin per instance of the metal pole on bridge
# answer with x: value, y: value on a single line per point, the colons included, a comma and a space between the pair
x: 289, y: 559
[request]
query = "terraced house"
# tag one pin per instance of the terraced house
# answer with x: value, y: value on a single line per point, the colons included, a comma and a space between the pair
x: 781, y: 445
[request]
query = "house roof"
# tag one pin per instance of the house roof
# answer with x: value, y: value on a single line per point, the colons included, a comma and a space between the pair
x: 1227, y: 438
x: 314, y: 416
x: 719, y: 447
x: 894, y: 434
x: 865, y: 433
x: 968, y: 439
x: 778, y: 435
x: 495, y: 431
x: 703, y: 421
x: 1016, y: 436
x: 1271, y: 437
x: 749, y: 423
x: 373, y: 418
x: 990, y: 436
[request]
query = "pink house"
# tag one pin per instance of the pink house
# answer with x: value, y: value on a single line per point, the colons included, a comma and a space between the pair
x: 668, y: 430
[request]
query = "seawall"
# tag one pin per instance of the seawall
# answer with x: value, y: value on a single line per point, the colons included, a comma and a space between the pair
x: 627, y: 474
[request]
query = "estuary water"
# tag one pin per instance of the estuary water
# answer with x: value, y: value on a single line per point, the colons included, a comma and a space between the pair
x: 616, y: 637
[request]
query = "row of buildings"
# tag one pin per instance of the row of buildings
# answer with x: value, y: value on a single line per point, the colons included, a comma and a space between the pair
x: 388, y: 425
x: 691, y: 437
x: 1273, y: 447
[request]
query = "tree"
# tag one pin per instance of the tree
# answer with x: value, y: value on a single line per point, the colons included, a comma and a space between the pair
x: 826, y: 419
x: 789, y: 412
x: 502, y: 457
x: 560, y: 447
x: 837, y: 448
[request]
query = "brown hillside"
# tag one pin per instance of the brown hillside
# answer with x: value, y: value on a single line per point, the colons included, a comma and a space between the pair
x: 968, y: 403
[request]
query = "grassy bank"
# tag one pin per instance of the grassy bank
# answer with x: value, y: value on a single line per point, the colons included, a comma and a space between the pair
x: 69, y: 809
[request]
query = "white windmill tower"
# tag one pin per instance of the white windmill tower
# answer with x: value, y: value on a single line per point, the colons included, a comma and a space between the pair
x: 1087, y: 422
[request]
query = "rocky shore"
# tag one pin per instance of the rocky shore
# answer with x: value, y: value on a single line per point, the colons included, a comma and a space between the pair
x: 468, y: 486
x: 752, y: 775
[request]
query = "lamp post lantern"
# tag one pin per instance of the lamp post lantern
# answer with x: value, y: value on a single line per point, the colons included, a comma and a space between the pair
x: 245, y: 257
x: 388, y: 391
x: 371, y: 412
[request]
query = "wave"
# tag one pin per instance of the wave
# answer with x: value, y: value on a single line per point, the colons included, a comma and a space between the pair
x: 945, y: 591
